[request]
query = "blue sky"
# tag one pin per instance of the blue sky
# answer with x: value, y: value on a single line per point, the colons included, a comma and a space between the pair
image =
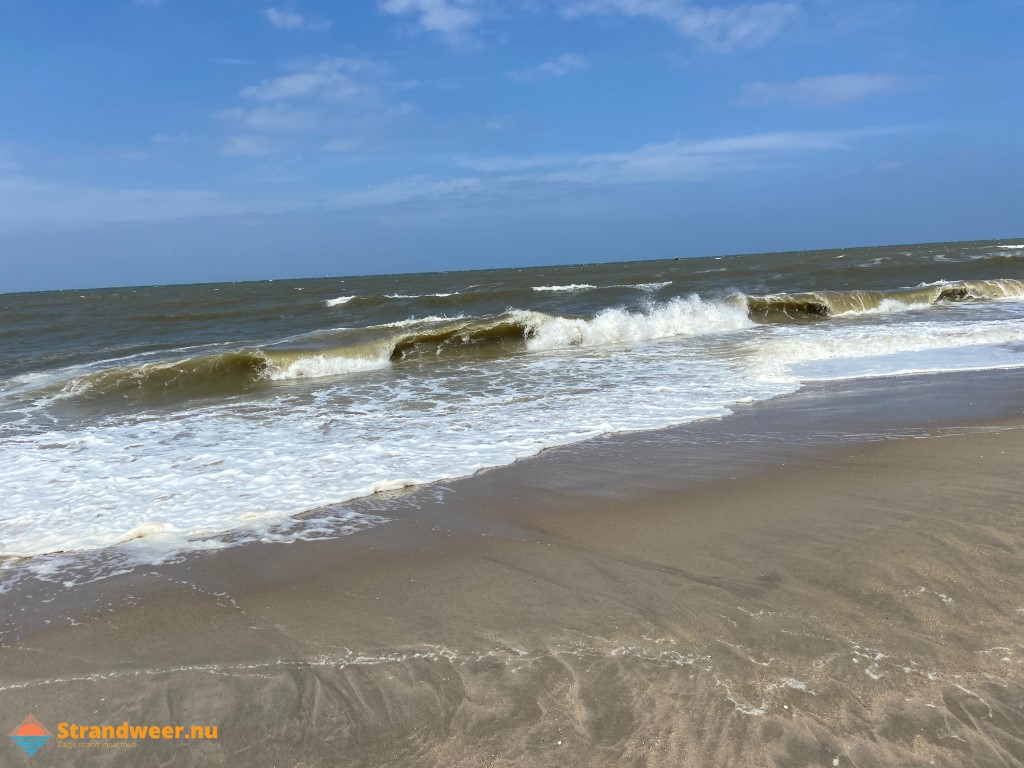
x: 152, y: 141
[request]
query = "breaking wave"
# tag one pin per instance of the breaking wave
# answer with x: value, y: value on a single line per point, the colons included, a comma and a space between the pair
x: 564, y: 288
x: 420, y: 295
x: 339, y: 301
x: 577, y: 287
x: 352, y: 350
x: 782, y: 307
x: 345, y: 351
x: 692, y: 316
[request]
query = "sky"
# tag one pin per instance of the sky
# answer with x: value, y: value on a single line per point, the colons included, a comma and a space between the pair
x: 170, y: 141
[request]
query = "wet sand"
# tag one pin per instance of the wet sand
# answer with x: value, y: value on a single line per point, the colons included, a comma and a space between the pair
x: 783, y: 587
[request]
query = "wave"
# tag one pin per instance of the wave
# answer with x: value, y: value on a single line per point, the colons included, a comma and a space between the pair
x: 224, y: 373
x: 525, y: 330
x: 1009, y: 252
x: 344, y: 351
x: 1011, y: 247
x: 565, y: 288
x: 781, y: 307
x: 512, y: 293
x: 573, y: 288
x: 351, y: 350
x: 691, y: 316
x: 339, y: 301
x: 419, y: 320
x: 420, y: 295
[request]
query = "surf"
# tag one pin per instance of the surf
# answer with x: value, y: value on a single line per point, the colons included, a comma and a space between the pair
x: 783, y: 307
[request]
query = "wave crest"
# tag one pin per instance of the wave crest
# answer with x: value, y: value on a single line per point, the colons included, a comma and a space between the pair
x: 564, y: 288
x: 691, y: 316
x: 781, y: 307
x: 345, y: 351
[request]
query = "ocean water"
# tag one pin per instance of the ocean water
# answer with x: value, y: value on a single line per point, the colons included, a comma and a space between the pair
x: 156, y: 420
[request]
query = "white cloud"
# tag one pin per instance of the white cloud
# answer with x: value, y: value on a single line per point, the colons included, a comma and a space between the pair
x: 511, y: 163
x: 312, y: 105
x: 407, y: 190
x: 282, y: 18
x: 560, y: 66
x: 720, y: 29
x: 670, y: 161
x: 27, y: 203
x: 328, y: 79
x: 665, y: 161
x: 823, y: 90
x: 250, y: 144
x: 690, y: 160
x: 276, y: 117
x: 451, y: 19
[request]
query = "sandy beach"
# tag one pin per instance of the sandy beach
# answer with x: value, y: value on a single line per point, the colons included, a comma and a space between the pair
x: 828, y: 579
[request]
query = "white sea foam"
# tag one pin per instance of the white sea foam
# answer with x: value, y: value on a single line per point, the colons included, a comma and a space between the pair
x: 888, y: 306
x: 339, y: 301
x: 679, y: 317
x: 420, y: 295
x: 420, y: 321
x: 565, y: 288
x: 1011, y: 247
x: 209, y: 469
x: 871, y: 350
x: 315, y: 366
x: 575, y: 287
x: 80, y: 566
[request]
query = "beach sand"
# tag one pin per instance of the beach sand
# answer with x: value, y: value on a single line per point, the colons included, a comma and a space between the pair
x: 783, y: 587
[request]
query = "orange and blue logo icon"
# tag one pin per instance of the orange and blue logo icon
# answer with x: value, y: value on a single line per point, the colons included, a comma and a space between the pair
x: 31, y: 735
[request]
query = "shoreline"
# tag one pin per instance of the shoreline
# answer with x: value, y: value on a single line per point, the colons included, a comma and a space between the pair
x: 781, y: 579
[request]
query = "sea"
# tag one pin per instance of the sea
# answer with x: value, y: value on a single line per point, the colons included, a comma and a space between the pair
x: 141, y: 423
